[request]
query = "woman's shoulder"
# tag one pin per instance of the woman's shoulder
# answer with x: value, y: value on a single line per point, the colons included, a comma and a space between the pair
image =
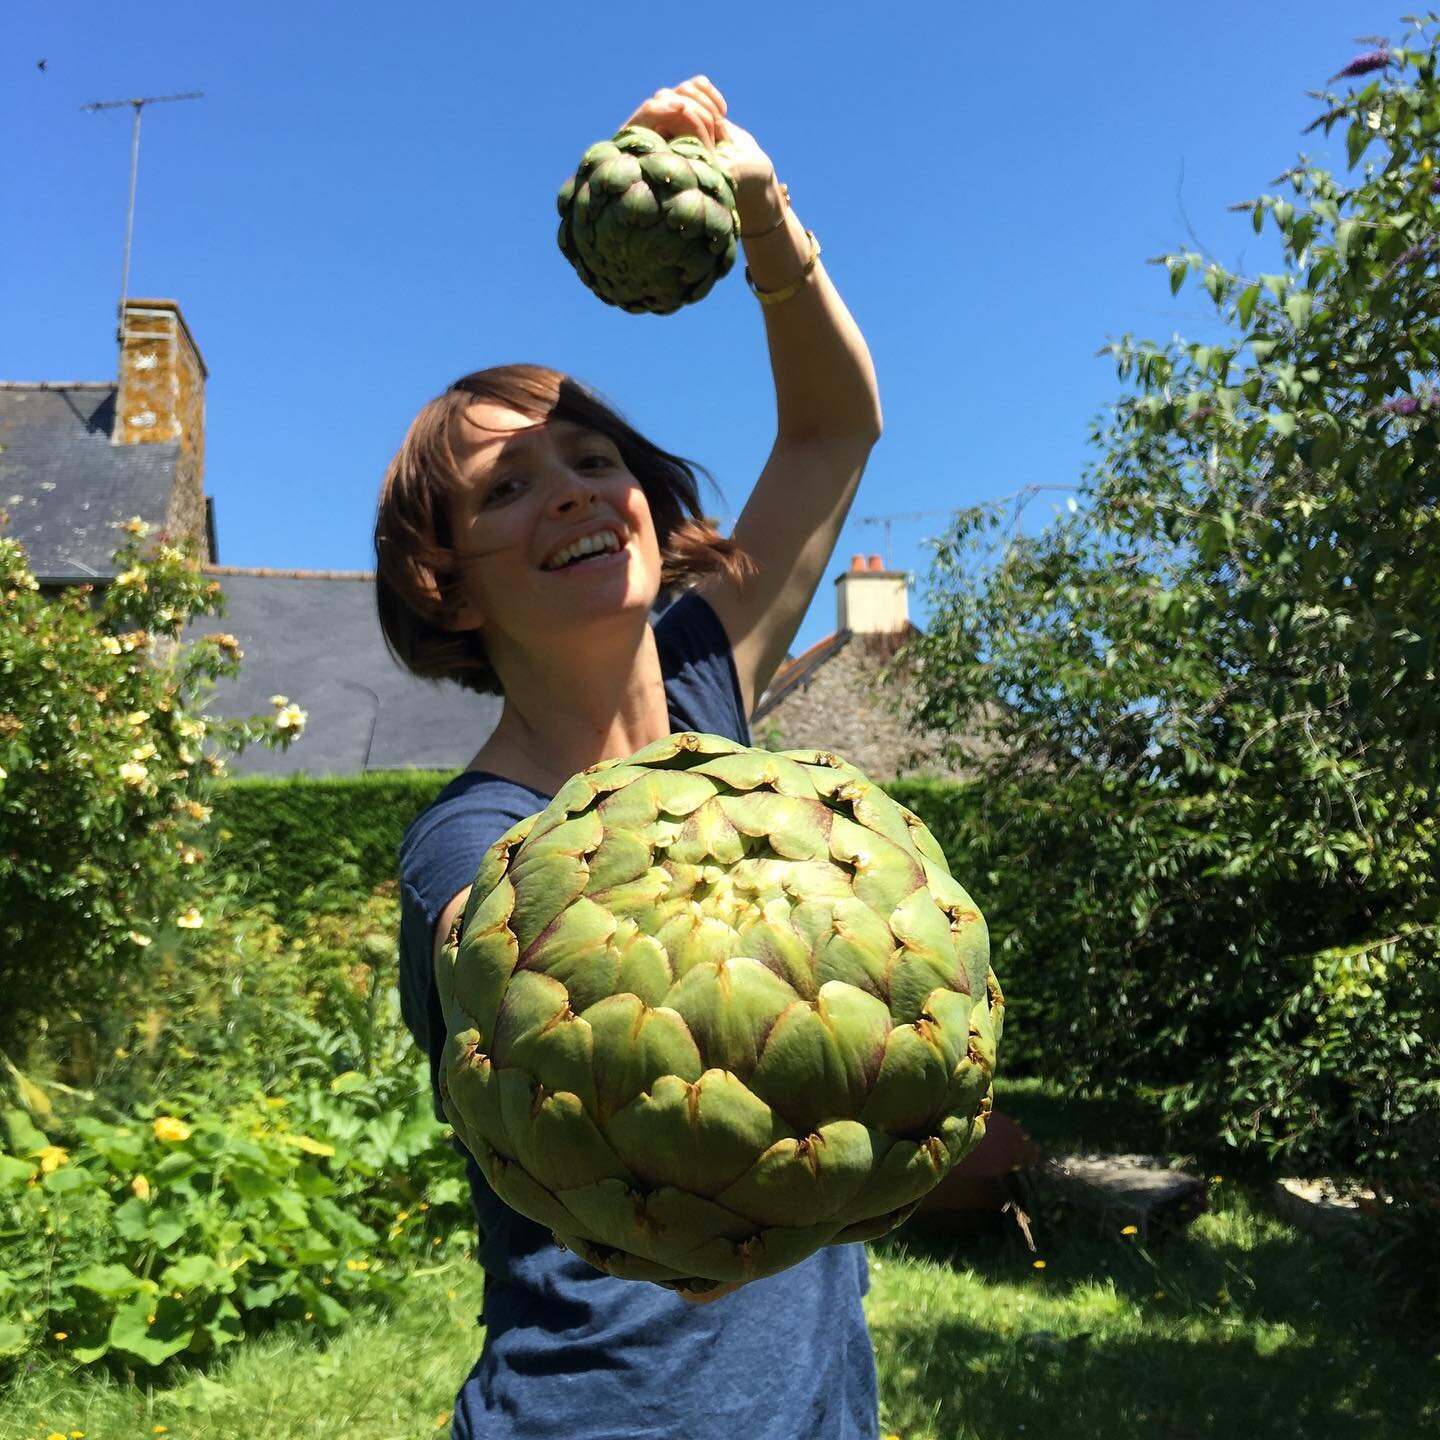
x: 444, y: 844
x: 702, y: 687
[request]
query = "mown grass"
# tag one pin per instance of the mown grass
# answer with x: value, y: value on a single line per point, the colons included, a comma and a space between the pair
x: 1241, y: 1326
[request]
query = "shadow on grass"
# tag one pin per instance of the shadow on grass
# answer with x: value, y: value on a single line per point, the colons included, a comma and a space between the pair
x: 1252, y: 1325
x: 971, y: 1381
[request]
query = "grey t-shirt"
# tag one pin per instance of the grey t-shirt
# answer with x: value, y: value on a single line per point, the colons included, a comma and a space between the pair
x: 569, y: 1352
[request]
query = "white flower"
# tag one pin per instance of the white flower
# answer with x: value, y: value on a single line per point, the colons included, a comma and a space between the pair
x: 191, y: 919
x: 133, y: 774
x: 279, y: 700
x: 291, y: 717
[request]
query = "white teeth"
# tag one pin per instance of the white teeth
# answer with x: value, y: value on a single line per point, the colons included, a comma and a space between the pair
x: 589, y: 545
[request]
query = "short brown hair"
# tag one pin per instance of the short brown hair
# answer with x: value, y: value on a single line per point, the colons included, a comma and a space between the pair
x: 416, y: 562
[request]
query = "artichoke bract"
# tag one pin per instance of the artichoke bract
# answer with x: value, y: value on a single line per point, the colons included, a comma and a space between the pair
x: 714, y: 1008
x: 649, y: 224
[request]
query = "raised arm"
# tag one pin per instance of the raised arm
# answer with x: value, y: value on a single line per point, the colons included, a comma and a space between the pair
x: 826, y: 400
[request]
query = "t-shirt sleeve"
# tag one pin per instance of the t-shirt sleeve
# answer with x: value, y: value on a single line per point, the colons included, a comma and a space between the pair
x: 702, y: 685
x: 439, y: 856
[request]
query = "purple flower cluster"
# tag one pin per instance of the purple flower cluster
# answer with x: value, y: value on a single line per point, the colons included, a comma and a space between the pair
x: 1408, y: 404
x: 1435, y: 186
x: 1364, y: 64
x: 1410, y: 256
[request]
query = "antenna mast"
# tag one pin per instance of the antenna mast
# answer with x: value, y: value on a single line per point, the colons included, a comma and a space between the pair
x: 134, y: 167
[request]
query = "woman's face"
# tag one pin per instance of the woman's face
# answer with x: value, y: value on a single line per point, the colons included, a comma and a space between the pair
x: 557, y: 529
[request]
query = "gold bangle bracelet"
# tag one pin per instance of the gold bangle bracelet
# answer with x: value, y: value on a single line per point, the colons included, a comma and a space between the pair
x: 777, y: 297
x: 784, y: 215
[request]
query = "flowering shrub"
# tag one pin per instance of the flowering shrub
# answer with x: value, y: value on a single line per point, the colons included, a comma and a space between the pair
x: 106, y: 762
x: 152, y: 1235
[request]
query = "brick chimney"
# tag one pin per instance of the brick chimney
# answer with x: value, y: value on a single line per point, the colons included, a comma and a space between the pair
x: 871, y: 600
x: 162, y: 397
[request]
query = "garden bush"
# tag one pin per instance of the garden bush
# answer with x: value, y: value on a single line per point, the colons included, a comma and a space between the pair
x: 293, y: 1167
x: 1202, y: 705
x: 106, y: 759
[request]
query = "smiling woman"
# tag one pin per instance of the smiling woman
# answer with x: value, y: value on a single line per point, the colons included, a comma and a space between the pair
x: 525, y: 533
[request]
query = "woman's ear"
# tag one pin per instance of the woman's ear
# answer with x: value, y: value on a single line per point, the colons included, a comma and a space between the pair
x: 464, y: 616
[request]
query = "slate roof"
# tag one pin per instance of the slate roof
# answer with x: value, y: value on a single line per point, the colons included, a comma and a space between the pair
x: 65, y: 486
x: 314, y: 637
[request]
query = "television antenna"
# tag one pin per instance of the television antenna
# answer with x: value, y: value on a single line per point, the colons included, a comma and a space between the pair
x: 138, y: 105
x: 888, y: 520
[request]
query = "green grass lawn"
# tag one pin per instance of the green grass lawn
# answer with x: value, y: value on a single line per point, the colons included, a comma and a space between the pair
x: 1240, y: 1327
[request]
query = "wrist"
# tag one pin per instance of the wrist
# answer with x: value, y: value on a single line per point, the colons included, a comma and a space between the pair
x: 761, y: 204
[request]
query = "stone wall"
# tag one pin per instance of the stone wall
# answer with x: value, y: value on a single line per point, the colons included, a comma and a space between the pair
x: 844, y: 706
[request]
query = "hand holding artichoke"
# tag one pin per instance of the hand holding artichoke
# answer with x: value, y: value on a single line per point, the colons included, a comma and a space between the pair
x: 714, y: 1008
x: 649, y: 219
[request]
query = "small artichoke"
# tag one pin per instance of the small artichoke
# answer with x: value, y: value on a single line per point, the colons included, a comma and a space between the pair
x: 714, y: 1008
x: 649, y: 224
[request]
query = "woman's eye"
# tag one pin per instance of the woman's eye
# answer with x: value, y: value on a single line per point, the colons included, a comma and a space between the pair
x: 501, y: 489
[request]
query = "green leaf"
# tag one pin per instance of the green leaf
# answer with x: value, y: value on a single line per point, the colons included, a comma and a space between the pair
x: 1298, y: 307
x: 1245, y: 305
x: 1177, y: 267
x: 1356, y: 139
x: 14, y: 1339
x: 152, y: 1340
x: 112, y: 1282
x: 1283, y: 424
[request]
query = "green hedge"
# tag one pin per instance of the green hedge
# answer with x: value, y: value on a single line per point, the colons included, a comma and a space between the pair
x: 279, y: 839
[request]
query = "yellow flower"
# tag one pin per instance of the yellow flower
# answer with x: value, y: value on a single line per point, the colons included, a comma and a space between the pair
x: 291, y: 717
x: 121, y: 1053
x: 1038, y: 1264
x: 143, y: 752
x: 132, y: 578
x: 137, y: 717
x: 442, y: 1419
x: 141, y: 1186
x: 112, y: 645
x: 196, y: 811
x: 190, y: 919
x: 309, y: 1146
x: 135, y: 526
x: 227, y: 642
x: 158, y: 1430
x: 1129, y: 1229
x: 279, y: 700
x: 133, y: 774
x: 62, y: 1334
x: 136, y: 938
x: 1216, y: 1179
x: 77, y: 1435
x: 51, y: 1158
x: 167, y: 1127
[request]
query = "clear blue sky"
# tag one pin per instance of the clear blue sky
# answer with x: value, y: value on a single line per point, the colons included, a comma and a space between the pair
x: 362, y: 208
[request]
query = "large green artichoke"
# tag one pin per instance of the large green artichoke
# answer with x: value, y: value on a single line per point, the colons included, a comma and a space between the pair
x: 649, y: 224
x: 714, y: 1008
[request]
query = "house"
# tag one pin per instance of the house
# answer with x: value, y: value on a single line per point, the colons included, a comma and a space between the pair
x: 81, y: 456
x: 843, y: 693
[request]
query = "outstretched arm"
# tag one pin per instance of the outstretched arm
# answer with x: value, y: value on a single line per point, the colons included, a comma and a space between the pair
x: 826, y: 400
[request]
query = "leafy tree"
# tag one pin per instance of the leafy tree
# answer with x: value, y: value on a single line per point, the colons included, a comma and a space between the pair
x: 1202, y: 707
x: 106, y: 759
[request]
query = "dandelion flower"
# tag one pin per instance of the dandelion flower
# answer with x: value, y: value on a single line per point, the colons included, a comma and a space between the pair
x: 168, y: 1128
x: 1130, y: 1230
x: 1037, y: 1264
x: 51, y: 1158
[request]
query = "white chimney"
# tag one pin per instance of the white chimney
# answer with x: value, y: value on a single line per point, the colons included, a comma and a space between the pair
x: 871, y: 600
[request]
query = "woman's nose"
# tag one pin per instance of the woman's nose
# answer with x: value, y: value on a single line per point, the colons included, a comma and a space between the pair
x: 570, y: 491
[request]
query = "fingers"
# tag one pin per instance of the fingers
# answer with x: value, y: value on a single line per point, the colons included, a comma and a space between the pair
x: 694, y: 107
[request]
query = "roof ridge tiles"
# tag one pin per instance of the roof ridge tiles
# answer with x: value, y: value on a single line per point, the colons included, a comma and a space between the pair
x: 266, y: 573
